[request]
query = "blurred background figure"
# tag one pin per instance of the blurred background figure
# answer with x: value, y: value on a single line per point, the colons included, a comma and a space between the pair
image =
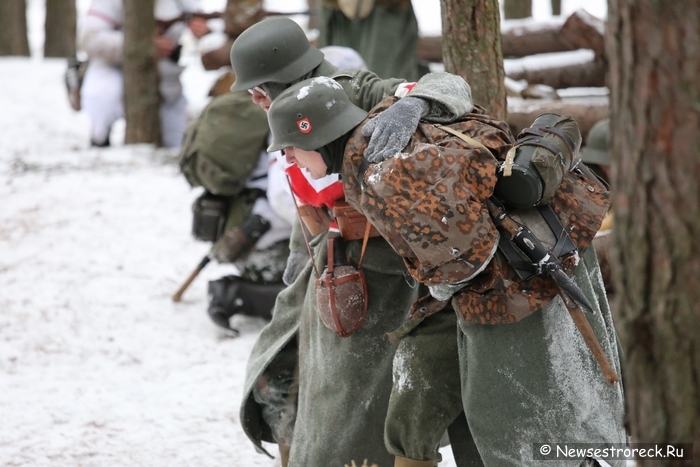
x: 101, y: 37
x: 224, y: 153
x: 384, y: 32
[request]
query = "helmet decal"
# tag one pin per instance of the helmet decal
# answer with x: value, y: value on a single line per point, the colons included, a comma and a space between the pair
x: 304, y: 125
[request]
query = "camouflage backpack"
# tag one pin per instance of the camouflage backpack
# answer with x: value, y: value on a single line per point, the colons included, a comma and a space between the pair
x: 428, y: 203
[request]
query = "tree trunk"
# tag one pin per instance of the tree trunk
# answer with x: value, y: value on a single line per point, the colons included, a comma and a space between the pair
x: 556, y: 7
x: 654, y: 53
x: 515, y: 9
x: 141, y: 97
x: 60, y: 28
x: 13, y: 28
x: 471, y: 46
x: 314, y: 7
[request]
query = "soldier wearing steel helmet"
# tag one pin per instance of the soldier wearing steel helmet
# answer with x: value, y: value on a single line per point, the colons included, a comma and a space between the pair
x: 267, y: 58
x: 532, y: 379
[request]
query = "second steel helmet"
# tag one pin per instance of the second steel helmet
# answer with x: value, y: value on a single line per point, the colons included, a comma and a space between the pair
x: 597, y: 150
x: 274, y: 50
x: 312, y: 114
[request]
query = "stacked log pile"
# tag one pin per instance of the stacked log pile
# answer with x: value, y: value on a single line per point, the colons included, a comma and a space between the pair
x: 557, y: 65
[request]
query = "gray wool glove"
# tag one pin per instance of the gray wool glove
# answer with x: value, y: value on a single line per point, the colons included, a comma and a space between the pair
x: 445, y: 291
x: 295, y: 264
x: 391, y: 130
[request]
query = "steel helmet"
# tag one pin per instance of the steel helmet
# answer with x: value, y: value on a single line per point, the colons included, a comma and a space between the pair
x: 274, y: 50
x: 312, y: 114
x: 597, y: 150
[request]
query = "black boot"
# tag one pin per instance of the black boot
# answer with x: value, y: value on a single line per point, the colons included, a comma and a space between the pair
x: 100, y: 144
x: 232, y: 295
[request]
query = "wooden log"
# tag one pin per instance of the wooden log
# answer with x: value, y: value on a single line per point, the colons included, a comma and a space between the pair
x: 520, y: 38
x: 218, y: 58
x: 430, y: 48
x: 582, y: 30
x: 585, y: 110
x: 578, y: 68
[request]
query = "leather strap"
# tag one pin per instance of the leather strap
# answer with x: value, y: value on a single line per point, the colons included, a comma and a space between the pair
x: 368, y: 228
x: 460, y: 135
x: 303, y: 231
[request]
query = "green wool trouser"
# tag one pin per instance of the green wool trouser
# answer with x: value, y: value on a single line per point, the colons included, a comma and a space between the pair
x: 425, y: 399
x: 534, y: 381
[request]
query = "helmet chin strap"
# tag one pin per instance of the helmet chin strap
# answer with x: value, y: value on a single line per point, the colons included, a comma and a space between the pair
x: 273, y: 90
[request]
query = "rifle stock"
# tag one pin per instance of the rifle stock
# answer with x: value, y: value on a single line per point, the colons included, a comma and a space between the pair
x: 192, y: 276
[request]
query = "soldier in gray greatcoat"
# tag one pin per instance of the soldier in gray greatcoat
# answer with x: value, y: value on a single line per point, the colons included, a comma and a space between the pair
x: 525, y: 379
x: 267, y: 58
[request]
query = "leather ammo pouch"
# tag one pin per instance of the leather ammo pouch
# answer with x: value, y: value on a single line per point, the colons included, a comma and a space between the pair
x: 315, y: 219
x: 341, y: 292
x: 209, y: 217
x: 351, y: 222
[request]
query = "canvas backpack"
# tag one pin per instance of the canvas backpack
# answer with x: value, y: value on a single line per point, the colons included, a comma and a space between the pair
x: 219, y: 153
x: 221, y: 148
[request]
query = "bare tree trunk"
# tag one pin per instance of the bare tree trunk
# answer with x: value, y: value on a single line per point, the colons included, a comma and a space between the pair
x: 13, y: 28
x: 525, y: 37
x: 60, y: 28
x: 515, y: 9
x: 471, y: 46
x: 556, y: 7
x: 654, y: 52
x: 141, y: 97
x: 314, y: 7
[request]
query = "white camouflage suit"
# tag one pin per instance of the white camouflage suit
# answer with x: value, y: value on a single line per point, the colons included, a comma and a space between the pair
x: 102, y: 93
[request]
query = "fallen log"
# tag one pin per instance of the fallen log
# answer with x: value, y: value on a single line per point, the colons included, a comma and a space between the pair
x: 217, y: 58
x: 586, y: 110
x: 430, y: 48
x: 520, y: 38
x: 578, y: 68
x: 582, y: 30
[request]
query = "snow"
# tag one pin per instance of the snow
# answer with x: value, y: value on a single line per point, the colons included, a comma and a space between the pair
x: 98, y: 367
x: 547, y: 60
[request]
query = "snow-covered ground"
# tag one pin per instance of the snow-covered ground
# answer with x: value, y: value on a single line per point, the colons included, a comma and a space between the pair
x: 98, y: 367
